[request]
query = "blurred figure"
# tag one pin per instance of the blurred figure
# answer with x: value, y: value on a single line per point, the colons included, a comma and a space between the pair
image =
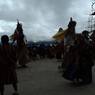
x: 50, y: 51
x: 41, y: 51
x: 78, y: 62
x: 34, y: 53
x: 92, y: 37
x: 59, y: 51
x: 85, y: 61
x: 8, y: 63
x: 85, y: 34
x: 69, y: 33
x: 22, y: 51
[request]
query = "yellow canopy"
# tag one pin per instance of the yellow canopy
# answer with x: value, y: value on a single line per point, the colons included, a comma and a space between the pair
x: 59, y: 35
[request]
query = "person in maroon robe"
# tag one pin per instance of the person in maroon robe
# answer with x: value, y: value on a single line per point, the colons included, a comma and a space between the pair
x: 8, y: 60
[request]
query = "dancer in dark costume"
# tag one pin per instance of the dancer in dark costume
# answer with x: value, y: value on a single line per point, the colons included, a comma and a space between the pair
x: 8, y: 62
x: 79, y: 66
x: 85, y: 61
x: 18, y: 36
x: 69, y: 37
x: 69, y: 33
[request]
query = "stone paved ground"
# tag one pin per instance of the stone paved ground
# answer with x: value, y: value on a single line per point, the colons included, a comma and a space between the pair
x: 42, y: 78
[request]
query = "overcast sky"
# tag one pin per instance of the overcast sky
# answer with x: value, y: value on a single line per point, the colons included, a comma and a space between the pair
x: 42, y: 18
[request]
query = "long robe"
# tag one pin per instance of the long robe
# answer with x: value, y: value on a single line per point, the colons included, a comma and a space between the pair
x: 8, y: 61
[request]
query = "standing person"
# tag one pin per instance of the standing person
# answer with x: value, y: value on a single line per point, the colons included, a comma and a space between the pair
x: 22, y: 51
x: 78, y: 62
x: 84, y: 71
x: 8, y: 62
x: 69, y: 34
x: 69, y: 51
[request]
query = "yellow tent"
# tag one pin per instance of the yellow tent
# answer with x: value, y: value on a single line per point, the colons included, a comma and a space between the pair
x: 59, y: 35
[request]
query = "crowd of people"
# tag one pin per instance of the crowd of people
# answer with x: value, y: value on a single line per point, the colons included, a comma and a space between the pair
x: 15, y: 54
x: 46, y: 51
x: 79, y: 55
x: 77, y: 52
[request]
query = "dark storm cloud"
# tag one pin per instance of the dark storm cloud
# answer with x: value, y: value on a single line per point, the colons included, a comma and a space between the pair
x: 29, y: 10
x: 40, y: 18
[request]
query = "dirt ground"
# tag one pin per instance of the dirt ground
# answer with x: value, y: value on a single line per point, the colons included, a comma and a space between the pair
x: 42, y: 77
